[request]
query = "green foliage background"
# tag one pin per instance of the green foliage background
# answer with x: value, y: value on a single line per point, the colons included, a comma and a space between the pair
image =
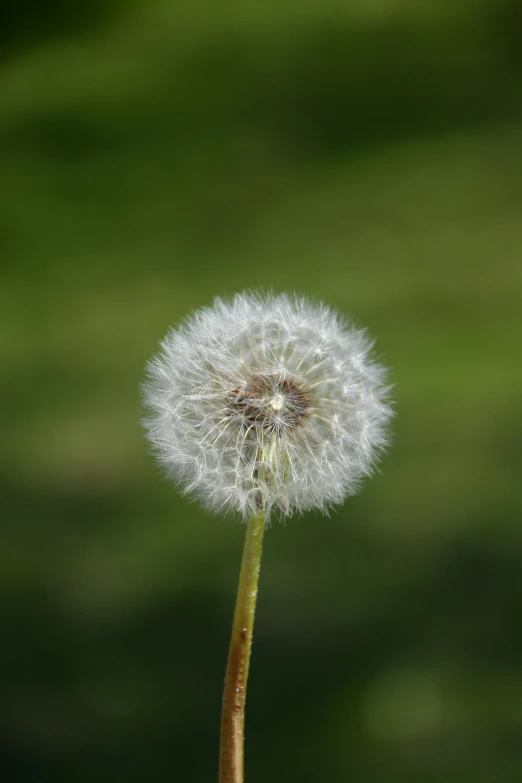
x: 156, y: 154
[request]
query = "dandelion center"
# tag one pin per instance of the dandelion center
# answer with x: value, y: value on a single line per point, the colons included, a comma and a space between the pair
x: 269, y: 402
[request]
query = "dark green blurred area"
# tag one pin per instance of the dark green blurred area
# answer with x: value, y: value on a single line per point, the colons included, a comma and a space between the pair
x: 155, y: 155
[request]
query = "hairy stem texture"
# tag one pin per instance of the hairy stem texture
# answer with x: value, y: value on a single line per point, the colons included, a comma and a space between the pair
x: 234, y: 696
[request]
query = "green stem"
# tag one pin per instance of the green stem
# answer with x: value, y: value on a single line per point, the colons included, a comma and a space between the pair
x: 234, y: 695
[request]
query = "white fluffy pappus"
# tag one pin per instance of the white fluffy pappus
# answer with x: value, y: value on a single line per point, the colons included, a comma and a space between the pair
x: 267, y: 402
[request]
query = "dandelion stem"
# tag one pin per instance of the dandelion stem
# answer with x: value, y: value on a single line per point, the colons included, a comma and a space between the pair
x: 234, y: 696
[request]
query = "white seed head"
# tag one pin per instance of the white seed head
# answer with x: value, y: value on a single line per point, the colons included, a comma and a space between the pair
x: 267, y: 402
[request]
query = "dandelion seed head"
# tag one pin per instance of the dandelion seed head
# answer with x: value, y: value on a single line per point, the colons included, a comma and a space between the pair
x: 267, y: 402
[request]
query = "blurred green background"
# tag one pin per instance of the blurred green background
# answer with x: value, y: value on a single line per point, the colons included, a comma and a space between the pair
x: 153, y: 155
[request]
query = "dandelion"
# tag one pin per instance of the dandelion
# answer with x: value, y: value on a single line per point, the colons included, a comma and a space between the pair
x: 260, y: 405
x: 267, y: 402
